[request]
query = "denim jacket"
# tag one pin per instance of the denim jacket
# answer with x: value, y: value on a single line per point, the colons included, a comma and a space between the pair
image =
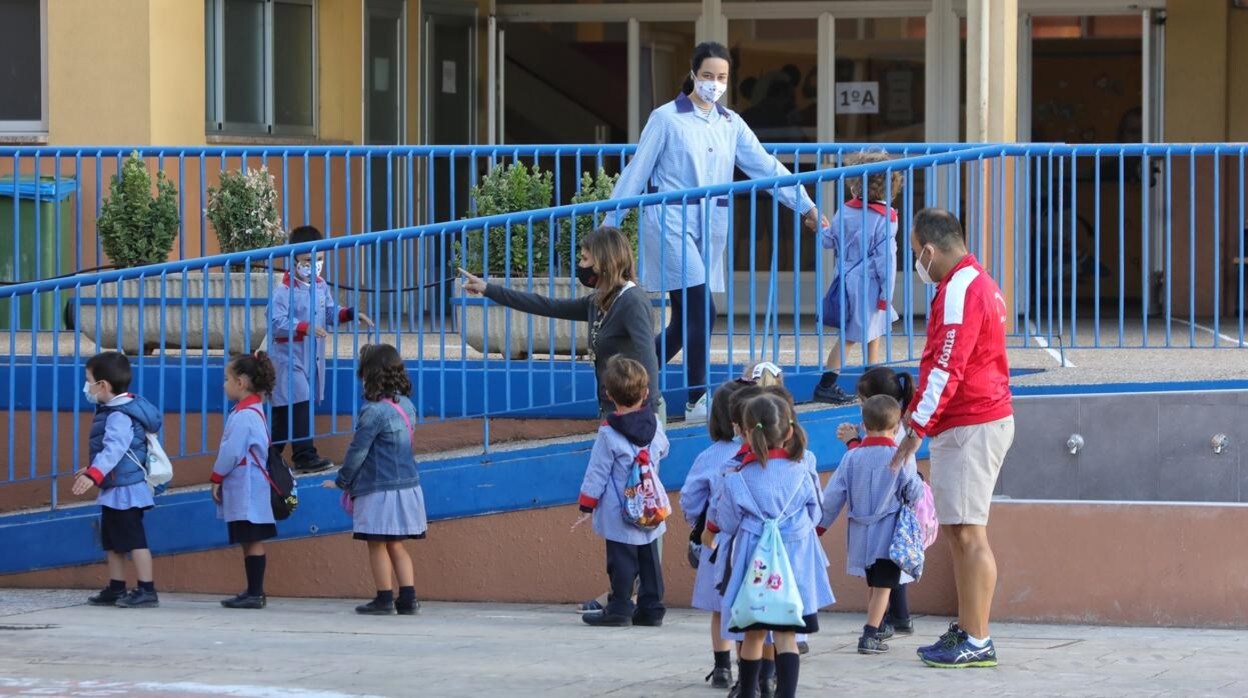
x: 380, y: 455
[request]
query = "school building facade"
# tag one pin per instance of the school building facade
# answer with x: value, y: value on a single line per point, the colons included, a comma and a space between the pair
x: 272, y: 73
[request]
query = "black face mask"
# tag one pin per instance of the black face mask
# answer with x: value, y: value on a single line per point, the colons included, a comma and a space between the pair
x: 587, y: 276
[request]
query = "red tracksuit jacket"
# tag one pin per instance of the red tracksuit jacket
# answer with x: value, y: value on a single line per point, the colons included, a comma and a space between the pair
x: 964, y: 377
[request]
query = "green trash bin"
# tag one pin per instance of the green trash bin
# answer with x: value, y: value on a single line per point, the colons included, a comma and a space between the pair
x: 30, y: 249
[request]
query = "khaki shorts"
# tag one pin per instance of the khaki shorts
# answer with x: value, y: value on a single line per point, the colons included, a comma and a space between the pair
x: 965, y: 464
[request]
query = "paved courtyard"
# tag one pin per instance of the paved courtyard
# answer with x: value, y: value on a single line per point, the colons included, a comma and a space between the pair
x: 53, y: 645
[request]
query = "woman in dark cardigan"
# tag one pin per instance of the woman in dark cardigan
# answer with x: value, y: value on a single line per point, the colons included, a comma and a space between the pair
x: 618, y: 310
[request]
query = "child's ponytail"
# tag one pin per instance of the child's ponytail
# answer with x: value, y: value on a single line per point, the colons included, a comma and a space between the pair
x: 259, y: 370
x: 768, y: 423
x: 905, y: 389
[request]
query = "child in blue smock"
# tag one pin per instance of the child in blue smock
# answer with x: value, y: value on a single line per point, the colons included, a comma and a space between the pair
x: 240, y: 480
x: 898, y: 385
x: 117, y: 448
x: 863, y: 235
x: 701, y: 483
x: 874, y: 494
x: 772, y: 482
x: 630, y: 434
x: 380, y: 476
x: 302, y: 308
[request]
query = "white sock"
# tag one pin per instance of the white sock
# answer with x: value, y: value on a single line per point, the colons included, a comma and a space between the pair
x: 978, y: 643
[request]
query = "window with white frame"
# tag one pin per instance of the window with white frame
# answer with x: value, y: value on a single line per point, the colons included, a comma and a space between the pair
x: 260, y: 66
x: 23, y: 93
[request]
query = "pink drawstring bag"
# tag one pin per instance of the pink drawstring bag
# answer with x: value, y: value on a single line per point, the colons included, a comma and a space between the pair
x: 347, y: 504
x: 925, y: 512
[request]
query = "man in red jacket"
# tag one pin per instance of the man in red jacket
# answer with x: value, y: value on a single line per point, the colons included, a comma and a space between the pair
x: 963, y: 403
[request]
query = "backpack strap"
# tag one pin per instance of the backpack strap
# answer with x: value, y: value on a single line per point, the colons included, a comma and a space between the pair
x: 264, y: 470
x: 402, y: 413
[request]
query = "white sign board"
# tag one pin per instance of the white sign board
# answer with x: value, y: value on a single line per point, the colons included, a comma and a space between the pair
x: 857, y: 98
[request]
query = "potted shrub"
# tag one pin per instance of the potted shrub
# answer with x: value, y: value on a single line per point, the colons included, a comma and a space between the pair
x: 243, y: 212
x: 512, y: 189
x: 136, y: 227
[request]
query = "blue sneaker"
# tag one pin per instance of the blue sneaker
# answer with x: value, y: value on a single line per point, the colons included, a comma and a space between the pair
x: 961, y: 655
x: 950, y: 638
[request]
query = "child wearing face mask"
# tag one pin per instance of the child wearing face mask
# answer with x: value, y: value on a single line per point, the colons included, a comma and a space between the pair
x: 301, y: 309
x: 863, y: 234
x: 118, y: 448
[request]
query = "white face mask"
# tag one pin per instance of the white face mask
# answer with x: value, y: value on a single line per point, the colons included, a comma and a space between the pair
x: 710, y: 90
x: 924, y: 272
x: 305, y: 269
x: 86, y: 391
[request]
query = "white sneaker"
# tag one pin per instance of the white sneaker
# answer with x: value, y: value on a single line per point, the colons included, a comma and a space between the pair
x: 696, y: 412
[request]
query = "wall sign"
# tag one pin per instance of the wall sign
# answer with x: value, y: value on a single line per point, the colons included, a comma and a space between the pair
x: 857, y: 98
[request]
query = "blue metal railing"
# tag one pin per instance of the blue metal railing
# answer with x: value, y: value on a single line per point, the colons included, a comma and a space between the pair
x: 1020, y: 204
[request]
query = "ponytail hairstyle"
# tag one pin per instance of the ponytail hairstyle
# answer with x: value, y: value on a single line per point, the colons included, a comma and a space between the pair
x: 883, y: 380
x: 701, y: 52
x: 258, y: 369
x: 771, y: 423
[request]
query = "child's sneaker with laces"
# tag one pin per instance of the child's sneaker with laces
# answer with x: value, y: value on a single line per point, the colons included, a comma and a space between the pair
x: 138, y: 598
x: 871, y: 644
x: 107, y: 597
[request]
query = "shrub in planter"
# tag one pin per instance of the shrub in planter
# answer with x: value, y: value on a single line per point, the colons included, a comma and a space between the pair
x: 596, y: 187
x: 243, y: 211
x: 135, y: 227
x: 517, y: 189
x: 509, y: 189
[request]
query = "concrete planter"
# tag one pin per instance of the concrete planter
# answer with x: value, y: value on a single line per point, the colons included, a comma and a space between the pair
x: 121, y: 305
x: 475, y: 310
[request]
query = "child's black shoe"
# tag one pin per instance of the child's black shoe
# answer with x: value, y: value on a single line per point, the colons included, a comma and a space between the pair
x: 767, y: 688
x: 607, y: 620
x: 313, y: 465
x: 407, y: 608
x: 803, y: 647
x: 106, y: 597
x: 649, y: 619
x: 720, y: 677
x: 138, y: 598
x: 376, y: 607
x: 245, y: 600
x: 871, y: 645
x: 886, y: 632
x: 901, y: 627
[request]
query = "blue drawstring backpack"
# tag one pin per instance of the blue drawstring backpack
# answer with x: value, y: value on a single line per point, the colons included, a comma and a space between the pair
x: 768, y: 593
x: 907, y: 547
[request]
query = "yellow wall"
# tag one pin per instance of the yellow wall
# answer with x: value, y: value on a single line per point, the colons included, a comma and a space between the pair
x: 341, y: 89
x: 1237, y: 75
x: 98, y: 60
x: 176, y: 47
x: 1196, y: 70
x: 125, y: 71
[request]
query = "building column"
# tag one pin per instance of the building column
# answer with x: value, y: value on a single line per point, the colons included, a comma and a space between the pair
x: 137, y: 89
x: 992, y: 117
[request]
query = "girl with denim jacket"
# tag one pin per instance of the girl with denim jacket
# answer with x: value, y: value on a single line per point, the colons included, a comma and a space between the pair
x: 381, y: 482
